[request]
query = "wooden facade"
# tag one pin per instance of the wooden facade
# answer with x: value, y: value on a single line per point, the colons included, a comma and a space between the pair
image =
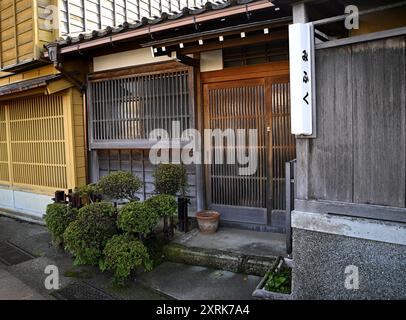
x: 23, y: 31
x: 27, y: 25
x: 124, y: 105
x: 355, y: 164
x: 42, y: 142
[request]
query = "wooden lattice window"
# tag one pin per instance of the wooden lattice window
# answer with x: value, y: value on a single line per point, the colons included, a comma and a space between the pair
x: 125, y: 110
x: 32, y: 130
x: 283, y: 142
x: 4, y: 169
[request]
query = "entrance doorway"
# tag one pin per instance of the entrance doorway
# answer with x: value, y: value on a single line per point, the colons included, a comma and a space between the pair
x: 250, y: 100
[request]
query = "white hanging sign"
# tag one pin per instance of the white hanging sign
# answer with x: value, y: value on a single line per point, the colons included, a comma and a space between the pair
x: 301, y: 59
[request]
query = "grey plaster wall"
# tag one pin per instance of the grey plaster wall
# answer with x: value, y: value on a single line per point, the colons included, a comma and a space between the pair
x: 320, y: 260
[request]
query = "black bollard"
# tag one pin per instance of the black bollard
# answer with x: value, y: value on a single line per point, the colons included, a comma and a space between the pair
x: 183, y: 214
x: 60, y: 196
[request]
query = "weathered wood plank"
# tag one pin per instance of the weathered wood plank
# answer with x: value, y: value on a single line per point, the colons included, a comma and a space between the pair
x: 330, y: 155
x: 359, y: 154
x: 380, y: 122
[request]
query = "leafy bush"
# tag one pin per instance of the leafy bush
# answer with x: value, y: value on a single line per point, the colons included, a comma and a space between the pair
x: 122, y: 254
x: 57, y: 218
x: 86, y: 237
x: 164, y: 205
x: 137, y: 217
x: 279, y: 281
x: 88, y: 190
x: 170, y: 179
x: 120, y: 185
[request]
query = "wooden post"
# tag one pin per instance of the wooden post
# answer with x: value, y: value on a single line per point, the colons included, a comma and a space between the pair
x: 69, y: 140
x: 300, y: 15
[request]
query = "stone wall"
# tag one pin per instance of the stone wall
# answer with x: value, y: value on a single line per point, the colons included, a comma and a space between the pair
x: 321, y: 258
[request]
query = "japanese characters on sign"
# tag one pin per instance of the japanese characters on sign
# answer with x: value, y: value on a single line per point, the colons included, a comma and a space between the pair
x: 301, y: 56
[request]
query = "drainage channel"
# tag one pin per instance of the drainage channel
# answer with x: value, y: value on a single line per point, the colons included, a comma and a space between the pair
x: 81, y: 291
x: 10, y: 254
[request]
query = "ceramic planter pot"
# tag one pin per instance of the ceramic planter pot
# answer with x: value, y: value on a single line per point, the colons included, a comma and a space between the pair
x: 261, y: 294
x: 208, y: 221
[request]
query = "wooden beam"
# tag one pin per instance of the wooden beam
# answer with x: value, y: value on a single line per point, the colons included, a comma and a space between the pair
x: 270, y: 69
x: 68, y: 16
x: 367, y: 211
x: 300, y: 14
x: 15, y: 30
x: 185, y: 59
x: 147, y: 69
x: 236, y: 42
x: 227, y: 31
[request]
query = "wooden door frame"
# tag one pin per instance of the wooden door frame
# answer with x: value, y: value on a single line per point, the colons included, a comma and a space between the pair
x: 267, y: 74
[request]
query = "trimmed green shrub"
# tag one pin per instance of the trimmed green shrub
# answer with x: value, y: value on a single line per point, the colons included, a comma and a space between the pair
x: 120, y: 185
x: 170, y: 179
x: 164, y: 205
x: 88, y: 190
x: 86, y: 237
x: 122, y: 254
x: 137, y: 217
x: 57, y: 218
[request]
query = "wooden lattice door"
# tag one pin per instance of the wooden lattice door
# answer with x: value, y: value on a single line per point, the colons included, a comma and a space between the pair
x: 261, y: 104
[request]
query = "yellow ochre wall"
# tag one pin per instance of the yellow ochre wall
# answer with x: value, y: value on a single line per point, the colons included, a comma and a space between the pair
x: 80, y: 158
x: 24, y: 30
x: 380, y: 21
x: 42, y: 137
x: 27, y: 75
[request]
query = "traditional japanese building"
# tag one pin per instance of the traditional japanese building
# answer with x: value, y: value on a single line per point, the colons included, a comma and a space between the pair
x: 223, y: 65
x: 42, y: 146
x: 42, y: 116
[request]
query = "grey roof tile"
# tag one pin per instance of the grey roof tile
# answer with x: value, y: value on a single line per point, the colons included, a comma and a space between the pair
x: 208, y: 6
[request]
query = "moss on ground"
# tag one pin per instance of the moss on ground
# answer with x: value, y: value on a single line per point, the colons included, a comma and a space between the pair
x: 78, y: 274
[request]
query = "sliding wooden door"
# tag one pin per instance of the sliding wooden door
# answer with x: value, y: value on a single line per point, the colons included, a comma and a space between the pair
x: 262, y: 104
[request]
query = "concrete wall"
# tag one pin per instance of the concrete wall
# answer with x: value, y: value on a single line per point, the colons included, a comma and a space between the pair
x: 377, y: 249
x: 26, y: 203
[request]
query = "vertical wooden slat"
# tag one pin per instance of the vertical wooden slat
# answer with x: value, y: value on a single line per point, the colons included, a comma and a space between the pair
x: 36, y: 157
x: 283, y: 146
x: 238, y: 106
x: 129, y: 108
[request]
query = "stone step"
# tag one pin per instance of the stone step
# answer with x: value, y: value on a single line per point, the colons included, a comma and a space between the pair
x: 242, y: 251
x: 219, y: 259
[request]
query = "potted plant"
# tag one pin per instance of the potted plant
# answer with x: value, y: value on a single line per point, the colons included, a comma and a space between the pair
x: 208, y: 221
x: 277, y: 283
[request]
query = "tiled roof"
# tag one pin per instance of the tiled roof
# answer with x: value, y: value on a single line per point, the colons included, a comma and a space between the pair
x: 127, y: 26
x: 28, y: 84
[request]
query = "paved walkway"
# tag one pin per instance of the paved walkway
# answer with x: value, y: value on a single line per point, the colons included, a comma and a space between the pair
x: 12, y: 288
x: 168, y: 281
x: 183, y: 282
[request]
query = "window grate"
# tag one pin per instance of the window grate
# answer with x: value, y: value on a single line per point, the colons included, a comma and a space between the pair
x: 130, y: 108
